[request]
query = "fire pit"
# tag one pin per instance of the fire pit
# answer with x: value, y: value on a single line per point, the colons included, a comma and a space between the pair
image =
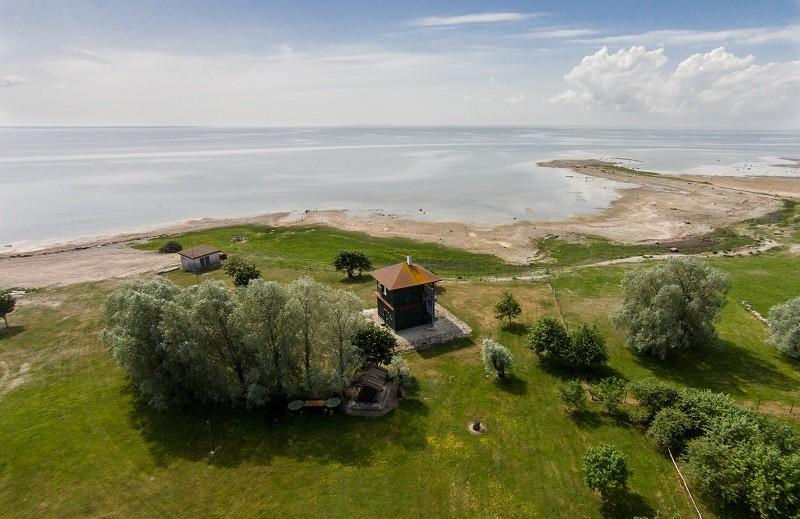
x: 476, y: 427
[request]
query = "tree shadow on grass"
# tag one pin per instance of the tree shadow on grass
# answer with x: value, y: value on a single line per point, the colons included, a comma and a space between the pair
x: 585, y: 419
x: 722, y: 366
x: 447, y: 347
x: 512, y: 384
x: 515, y: 328
x: 11, y: 331
x: 357, y: 280
x: 257, y: 436
x: 558, y: 369
x: 625, y: 505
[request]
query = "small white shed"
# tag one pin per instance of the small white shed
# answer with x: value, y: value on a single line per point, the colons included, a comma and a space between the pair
x: 200, y: 258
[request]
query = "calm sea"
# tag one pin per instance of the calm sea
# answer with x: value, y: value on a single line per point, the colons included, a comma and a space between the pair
x: 64, y: 183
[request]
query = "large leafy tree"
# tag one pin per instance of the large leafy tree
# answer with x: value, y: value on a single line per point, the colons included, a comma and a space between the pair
x: 784, y: 327
x: 269, y: 319
x: 672, y: 305
x: 496, y: 357
x: 586, y: 349
x: 351, y: 262
x: 374, y: 345
x: 548, y: 337
x: 605, y: 469
x: 346, y: 318
x: 241, y: 271
x: 7, y: 304
x: 507, y: 307
x: 313, y: 318
x: 200, y: 335
x: 133, y: 331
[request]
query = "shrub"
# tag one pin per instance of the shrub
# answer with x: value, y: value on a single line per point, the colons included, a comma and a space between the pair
x: 653, y: 394
x: 572, y: 393
x: 7, y: 304
x: 671, y: 306
x: 605, y: 469
x: 610, y: 391
x: 352, y: 262
x: 669, y: 428
x: 507, y: 307
x: 784, y: 327
x: 496, y: 357
x: 241, y: 270
x: 587, y: 348
x: 399, y: 371
x: 170, y: 247
x: 548, y: 337
x: 375, y: 345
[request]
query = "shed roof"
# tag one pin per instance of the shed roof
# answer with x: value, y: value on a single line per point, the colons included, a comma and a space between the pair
x: 404, y: 275
x: 373, y: 377
x: 199, y: 251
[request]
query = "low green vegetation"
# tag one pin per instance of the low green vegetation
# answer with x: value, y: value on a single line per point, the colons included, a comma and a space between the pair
x: 588, y: 249
x: 315, y: 247
x: 85, y: 443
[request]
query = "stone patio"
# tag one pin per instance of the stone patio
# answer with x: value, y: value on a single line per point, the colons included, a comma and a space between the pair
x: 446, y: 328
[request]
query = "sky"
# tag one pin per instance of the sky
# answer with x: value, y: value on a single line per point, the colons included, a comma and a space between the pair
x: 297, y: 63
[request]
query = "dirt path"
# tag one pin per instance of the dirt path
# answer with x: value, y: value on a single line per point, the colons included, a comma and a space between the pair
x: 78, y: 266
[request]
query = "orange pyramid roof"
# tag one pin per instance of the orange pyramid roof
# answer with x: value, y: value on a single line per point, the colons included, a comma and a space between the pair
x: 403, y: 275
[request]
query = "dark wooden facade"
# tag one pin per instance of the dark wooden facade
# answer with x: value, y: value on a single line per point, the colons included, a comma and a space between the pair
x: 406, y: 295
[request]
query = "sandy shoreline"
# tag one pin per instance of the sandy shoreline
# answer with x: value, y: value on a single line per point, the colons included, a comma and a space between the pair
x: 661, y: 208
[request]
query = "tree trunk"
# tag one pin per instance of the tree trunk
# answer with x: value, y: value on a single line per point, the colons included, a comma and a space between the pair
x: 5, y: 318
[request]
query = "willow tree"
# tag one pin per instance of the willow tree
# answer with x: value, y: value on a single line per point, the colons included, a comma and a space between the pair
x: 133, y: 332
x: 200, y: 335
x: 672, y: 305
x: 268, y: 318
x: 345, y: 318
x: 313, y: 318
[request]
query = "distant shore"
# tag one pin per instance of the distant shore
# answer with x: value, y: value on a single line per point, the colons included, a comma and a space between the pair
x: 662, y: 208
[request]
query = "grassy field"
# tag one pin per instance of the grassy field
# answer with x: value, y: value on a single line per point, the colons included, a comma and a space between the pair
x: 81, y: 444
x: 314, y: 247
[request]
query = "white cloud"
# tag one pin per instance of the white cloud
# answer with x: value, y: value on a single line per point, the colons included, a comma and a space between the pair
x: 440, y: 21
x: 743, y: 36
x: 11, y: 80
x: 716, y: 84
x: 558, y: 33
x: 514, y: 100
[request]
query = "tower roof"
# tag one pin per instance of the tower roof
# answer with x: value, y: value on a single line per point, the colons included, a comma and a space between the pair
x: 404, y: 275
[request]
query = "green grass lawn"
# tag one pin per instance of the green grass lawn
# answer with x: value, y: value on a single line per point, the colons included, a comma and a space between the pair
x: 78, y: 443
x: 314, y: 247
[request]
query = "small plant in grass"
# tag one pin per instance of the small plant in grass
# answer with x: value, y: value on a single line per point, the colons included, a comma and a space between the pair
x: 400, y: 372
x: 784, y: 327
x: 605, y: 470
x: 548, y: 337
x: 669, y: 428
x: 507, y: 307
x: 241, y: 270
x: 496, y: 357
x: 7, y: 304
x: 374, y: 345
x: 170, y: 247
x: 610, y: 391
x: 572, y: 394
x: 351, y: 262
